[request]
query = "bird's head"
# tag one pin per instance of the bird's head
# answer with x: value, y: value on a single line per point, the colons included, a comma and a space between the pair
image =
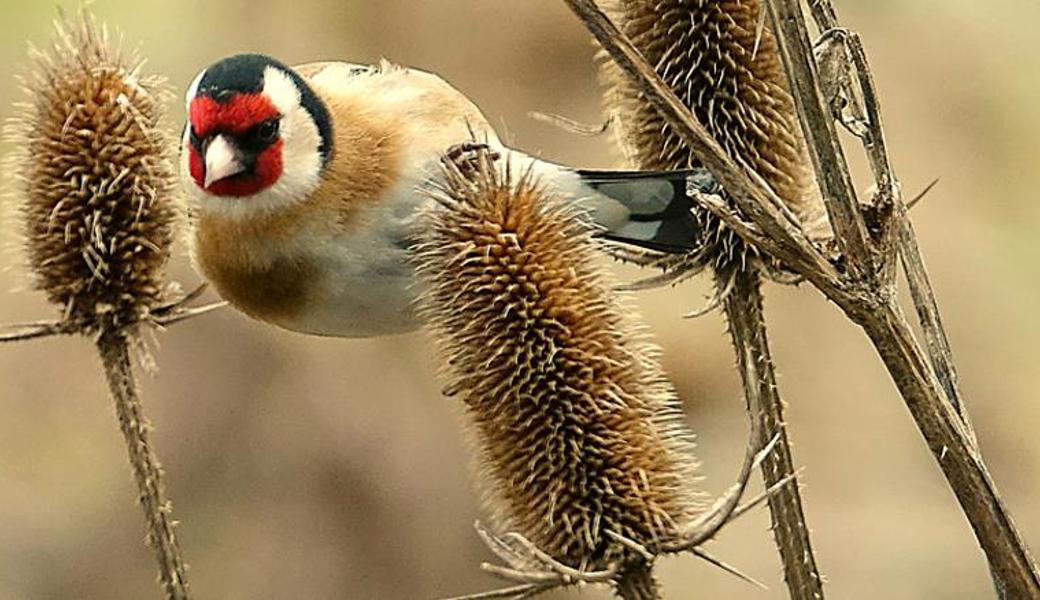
x: 257, y: 135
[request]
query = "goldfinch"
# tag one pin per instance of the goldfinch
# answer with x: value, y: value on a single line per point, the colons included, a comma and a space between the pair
x: 305, y: 184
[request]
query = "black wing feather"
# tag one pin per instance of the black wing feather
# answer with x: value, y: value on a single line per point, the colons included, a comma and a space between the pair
x: 667, y: 205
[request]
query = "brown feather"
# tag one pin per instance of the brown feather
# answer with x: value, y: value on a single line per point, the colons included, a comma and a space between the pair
x: 260, y: 262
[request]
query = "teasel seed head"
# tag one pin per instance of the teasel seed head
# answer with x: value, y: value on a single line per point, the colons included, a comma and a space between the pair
x: 95, y: 177
x: 578, y: 431
x: 720, y: 60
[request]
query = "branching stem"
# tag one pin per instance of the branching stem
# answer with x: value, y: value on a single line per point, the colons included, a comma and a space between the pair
x: 857, y: 280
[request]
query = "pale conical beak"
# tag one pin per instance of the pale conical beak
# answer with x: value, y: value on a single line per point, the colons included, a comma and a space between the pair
x: 222, y: 160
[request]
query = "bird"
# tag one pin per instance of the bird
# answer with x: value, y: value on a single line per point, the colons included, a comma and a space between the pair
x: 305, y: 186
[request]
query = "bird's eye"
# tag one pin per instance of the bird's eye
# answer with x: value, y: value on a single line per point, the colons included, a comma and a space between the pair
x: 194, y: 138
x: 267, y: 132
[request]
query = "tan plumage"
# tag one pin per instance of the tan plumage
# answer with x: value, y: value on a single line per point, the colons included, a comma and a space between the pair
x: 306, y: 186
x: 244, y: 256
x: 270, y: 263
x: 578, y: 430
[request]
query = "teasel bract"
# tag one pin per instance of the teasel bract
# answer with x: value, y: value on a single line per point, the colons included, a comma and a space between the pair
x: 96, y: 184
x: 721, y: 59
x: 722, y: 62
x: 578, y: 431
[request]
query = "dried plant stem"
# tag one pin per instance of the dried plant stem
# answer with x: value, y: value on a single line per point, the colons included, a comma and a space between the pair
x: 31, y: 331
x: 889, y: 197
x: 165, y: 317
x: 821, y: 135
x: 96, y: 173
x: 865, y: 291
x: 931, y: 394
x: 953, y: 448
x: 733, y: 82
x: 115, y: 357
x: 743, y: 307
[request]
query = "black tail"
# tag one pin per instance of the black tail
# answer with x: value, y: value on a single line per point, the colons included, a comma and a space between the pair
x: 660, y: 211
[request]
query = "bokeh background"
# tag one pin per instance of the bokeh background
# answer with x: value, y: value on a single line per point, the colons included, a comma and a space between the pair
x: 309, y: 468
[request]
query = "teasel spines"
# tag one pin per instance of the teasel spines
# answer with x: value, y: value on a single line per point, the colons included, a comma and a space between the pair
x: 96, y: 178
x: 578, y: 431
x: 721, y: 61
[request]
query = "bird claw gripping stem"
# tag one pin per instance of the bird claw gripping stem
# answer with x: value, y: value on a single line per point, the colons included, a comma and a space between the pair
x: 466, y: 156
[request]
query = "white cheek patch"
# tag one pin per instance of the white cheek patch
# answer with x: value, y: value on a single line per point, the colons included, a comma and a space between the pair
x: 280, y: 90
x: 301, y: 140
x: 301, y: 159
x: 193, y: 89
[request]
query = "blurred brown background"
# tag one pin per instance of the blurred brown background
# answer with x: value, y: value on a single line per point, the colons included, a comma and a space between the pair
x: 309, y: 468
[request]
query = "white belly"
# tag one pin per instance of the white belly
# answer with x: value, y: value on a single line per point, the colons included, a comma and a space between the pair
x: 367, y: 281
x: 367, y: 284
x: 361, y: 297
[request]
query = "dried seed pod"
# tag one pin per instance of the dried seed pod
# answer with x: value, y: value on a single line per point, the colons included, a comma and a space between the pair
x: 723, y: 63
x: 97, y: 182
x: 96, y: 178
x: 578, y: 430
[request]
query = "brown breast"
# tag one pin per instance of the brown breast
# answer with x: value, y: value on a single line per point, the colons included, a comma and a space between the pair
x: 249, y: 264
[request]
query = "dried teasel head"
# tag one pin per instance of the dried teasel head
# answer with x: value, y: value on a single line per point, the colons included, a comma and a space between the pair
x: 96, y: 179
x: 578, y: 431
x: 722, y: 61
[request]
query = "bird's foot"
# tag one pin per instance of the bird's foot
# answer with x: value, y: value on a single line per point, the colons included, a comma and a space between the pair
x: 467, y: 157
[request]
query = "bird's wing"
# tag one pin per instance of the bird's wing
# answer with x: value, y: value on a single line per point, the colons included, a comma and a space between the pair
x: 660, y: 215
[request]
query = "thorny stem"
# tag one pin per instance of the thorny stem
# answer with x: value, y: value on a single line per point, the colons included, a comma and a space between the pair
x: 747, y: 325
x: 953, y: 448
x: 865, y: 300
x: 939, y: 351
x: 866, y: 106
x: 777, y: 235
x: 115, y: 357
x: 821, y: 136
x: 163, y: 317
x: 925, y: 303
x: 931, y: 394
x: 743, y: 308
